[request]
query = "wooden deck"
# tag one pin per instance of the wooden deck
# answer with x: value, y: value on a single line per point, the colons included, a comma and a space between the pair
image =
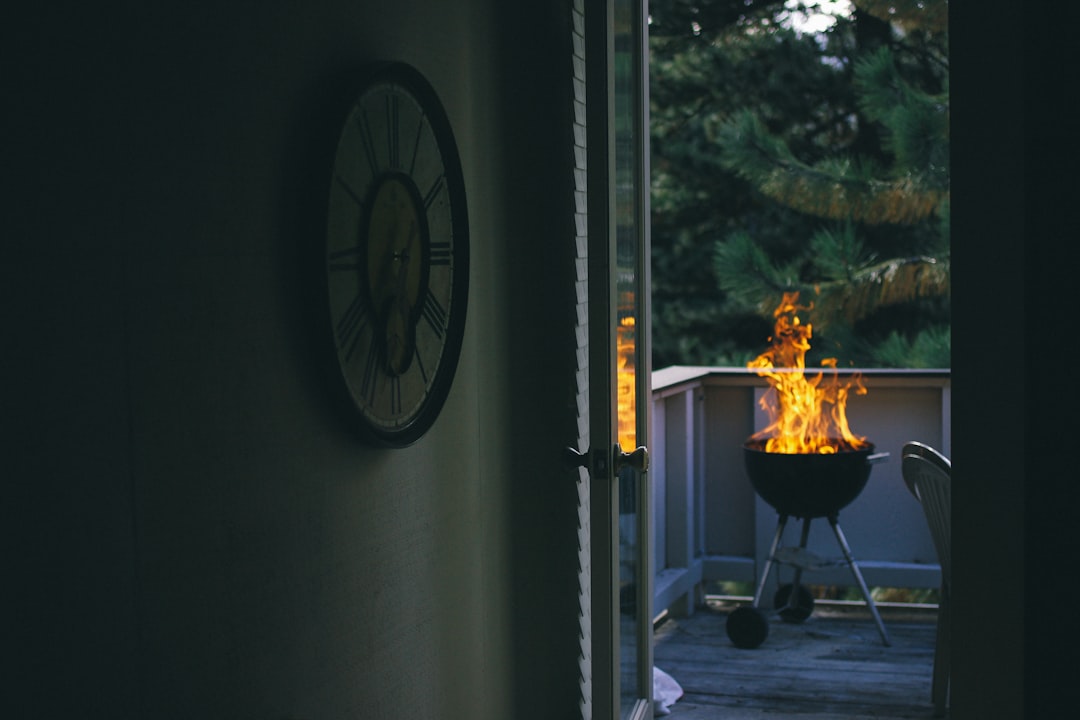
x: 833, y: 666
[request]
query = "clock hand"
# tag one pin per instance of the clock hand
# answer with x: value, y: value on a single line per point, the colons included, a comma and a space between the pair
x: 400, y: 324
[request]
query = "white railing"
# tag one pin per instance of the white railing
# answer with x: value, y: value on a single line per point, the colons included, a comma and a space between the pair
x: 710, y: 524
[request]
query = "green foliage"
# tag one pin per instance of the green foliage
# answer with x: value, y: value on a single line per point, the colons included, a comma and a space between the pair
x: 797, y: 161
x: 737, y: 58
x: 916, y: 123
x: 930, y: 348
x: 747, y: 272
x: 835, y: 188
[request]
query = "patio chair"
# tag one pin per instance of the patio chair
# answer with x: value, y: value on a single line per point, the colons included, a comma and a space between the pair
x: 927, y: 474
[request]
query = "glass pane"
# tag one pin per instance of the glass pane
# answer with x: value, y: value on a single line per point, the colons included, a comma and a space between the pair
x: 628, y: 252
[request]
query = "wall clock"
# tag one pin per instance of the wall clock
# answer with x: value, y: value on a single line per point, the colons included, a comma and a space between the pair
x: 397, y: 257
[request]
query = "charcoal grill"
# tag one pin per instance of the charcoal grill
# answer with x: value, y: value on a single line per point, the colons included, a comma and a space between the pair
x: 806, y: 486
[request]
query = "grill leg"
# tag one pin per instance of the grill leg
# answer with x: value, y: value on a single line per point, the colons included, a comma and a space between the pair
x: 780, y: 525
x: 804, y: 538
x: 859, y: 579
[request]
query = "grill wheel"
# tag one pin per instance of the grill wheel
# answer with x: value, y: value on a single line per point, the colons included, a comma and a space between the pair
x: 797, y: 612
x: 747, y: 627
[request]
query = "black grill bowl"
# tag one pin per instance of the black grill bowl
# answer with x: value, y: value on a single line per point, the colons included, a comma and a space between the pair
x: 808, y: 485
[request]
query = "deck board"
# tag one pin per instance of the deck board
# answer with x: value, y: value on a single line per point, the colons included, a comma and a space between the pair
x: 831, y: 667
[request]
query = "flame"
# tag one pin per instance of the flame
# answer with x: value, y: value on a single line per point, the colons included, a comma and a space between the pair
x: 627, y: 392
x: 806, y: 415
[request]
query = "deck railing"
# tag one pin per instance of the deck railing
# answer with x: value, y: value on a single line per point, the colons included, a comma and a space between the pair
x: 710, y: 524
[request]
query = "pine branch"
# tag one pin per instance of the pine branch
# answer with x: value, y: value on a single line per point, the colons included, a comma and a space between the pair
x: 833, y: 190
x: 929, y: 348
x: 837, y: 256
x: 916, y: 123
x: 746, y: 273
x: 887, y: 283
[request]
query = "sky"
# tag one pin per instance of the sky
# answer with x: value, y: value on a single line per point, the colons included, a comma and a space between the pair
x: 819, y: 16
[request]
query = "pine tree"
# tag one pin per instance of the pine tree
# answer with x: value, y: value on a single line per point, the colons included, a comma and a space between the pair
x: 728, y: 71
x: 876, y: 263
x: 708, y: 59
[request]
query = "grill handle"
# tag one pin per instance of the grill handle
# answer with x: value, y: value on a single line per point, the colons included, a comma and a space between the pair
x: 876, y: 458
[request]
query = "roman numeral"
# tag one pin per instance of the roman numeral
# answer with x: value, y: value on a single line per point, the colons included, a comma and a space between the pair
x: 367, y: 380
x: 349, y: 191
x: 433, y: 191
x: 349, y: 325
x: 416, y: 144
x: 440, y: 253
x: 395, y: 395
x: 392, y: 139
x: 368, y: 143
x: 435, y: 314
x: 420, y: 364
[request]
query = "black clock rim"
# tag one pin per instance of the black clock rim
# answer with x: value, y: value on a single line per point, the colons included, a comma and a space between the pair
x: 413, y: 80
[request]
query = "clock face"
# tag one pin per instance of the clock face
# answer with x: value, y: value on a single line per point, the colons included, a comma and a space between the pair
x: 397, y: 253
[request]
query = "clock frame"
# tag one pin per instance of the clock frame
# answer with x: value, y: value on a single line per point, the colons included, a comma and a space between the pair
x: 397, y: 257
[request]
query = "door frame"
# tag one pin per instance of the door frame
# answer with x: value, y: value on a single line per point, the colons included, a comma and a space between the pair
x: 600, y: 87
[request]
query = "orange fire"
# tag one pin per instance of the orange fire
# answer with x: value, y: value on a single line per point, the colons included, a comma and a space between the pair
x: 806, y: 415
x: 627, y: 391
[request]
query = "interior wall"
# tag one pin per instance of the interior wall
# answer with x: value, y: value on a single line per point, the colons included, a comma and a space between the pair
x: 195, y: 532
